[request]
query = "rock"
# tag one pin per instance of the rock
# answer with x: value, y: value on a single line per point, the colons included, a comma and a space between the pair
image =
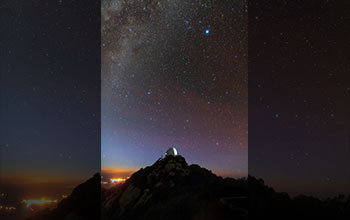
x: 152, y: 177
x: 159, y: 185
x: 171, y: 189
x: 169, y: 167
x: 144, y: 198
x: 171, y: 184
x: 129, y: 196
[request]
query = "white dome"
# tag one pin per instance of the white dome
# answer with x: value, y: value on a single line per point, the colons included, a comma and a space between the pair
x: 171, y: 151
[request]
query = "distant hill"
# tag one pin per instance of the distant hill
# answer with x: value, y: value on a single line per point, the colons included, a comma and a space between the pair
x: 265, y: 203
x: 171, y: 189
x: 83, y: 204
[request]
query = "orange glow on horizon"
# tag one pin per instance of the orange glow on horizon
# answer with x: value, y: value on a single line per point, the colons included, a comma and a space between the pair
x: 112, y: 170
x: 115, y: 175
x: 126, y: 173
x: 17, y: 179
x: 118, y: 180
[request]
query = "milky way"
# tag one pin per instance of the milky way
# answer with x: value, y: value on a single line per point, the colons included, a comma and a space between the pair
x: 174, y: 73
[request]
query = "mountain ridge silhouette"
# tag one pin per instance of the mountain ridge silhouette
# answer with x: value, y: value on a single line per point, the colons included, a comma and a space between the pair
x: 171, y: 189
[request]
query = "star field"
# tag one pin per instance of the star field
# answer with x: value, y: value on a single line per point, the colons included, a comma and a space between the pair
x: 174, y: 73
x: 299, y: 96
x: 50, y: 90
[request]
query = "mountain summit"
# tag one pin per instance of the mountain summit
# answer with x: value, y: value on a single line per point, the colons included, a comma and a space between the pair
x: 172, y: 189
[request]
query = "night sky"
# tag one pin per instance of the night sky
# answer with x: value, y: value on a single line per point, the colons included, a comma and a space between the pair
x: 50, y: 91
x: 299, y: 88
x: 174, y: 73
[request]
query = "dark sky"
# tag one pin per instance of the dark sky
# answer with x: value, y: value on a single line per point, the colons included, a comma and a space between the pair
x: 299, y: 87
x: 50, y: 90
x: 174, y: 73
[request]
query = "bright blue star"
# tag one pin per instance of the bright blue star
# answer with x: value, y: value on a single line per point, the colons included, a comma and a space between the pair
x: 207, y: 31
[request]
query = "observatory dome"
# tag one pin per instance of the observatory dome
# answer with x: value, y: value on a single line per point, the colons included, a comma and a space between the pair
x: 171, y: 151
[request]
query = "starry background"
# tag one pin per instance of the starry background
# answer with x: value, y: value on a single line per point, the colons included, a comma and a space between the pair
x: 299, y: 87
x: 50, y: 92
x: 174, y: 73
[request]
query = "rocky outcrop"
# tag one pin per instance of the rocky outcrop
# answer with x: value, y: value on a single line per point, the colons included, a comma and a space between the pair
x: 129, y: 196
x: 172, y: 189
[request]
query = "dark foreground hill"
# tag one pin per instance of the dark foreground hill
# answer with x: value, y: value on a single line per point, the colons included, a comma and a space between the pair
x: 265, y: 203
x: 83, y: 204
x: 171, y: 189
